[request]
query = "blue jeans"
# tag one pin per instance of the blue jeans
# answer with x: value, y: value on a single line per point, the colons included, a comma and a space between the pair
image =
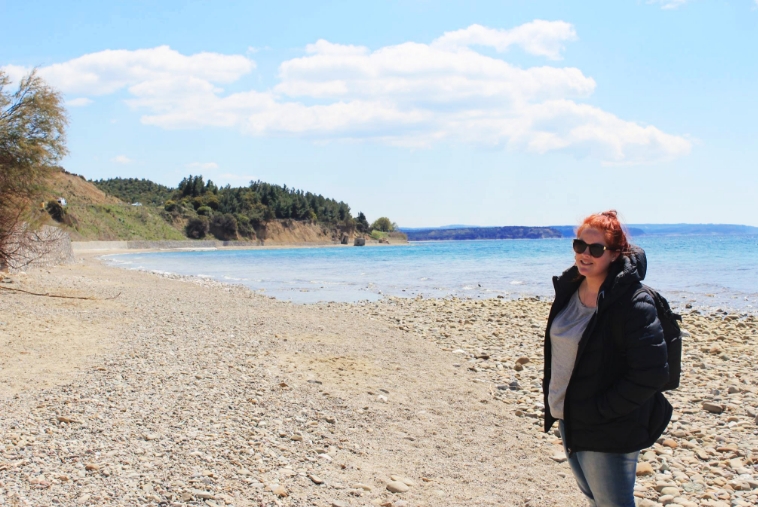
x: 606, y: 479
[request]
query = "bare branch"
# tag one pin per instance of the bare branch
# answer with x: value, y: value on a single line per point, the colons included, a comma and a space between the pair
x: 59, y: 296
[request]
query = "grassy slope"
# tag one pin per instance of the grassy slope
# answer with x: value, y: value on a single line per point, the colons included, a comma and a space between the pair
x: 99, y: 216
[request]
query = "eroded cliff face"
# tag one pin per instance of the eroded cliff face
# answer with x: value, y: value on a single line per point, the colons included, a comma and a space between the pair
x: 287, y: 232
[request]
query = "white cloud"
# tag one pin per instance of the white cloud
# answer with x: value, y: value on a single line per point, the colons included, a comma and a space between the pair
x: 15, y: 72
x: 670, y: 4
x: 410, y: 94
x: 541, y: 38
x: 108, y: 71
x: 122, y: 159
x: 79, y: 102
x: 206, y: 166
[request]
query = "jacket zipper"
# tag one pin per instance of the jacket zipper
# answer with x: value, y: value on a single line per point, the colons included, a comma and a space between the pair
x: 582, y: 345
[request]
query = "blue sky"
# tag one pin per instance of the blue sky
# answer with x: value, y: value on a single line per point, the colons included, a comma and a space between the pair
x: 431, y: 113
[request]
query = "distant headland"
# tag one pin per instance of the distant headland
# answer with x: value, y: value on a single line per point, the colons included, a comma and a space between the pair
x: 470, y: 232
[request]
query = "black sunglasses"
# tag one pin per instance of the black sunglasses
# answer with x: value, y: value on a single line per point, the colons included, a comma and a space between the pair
x: 596, y: 249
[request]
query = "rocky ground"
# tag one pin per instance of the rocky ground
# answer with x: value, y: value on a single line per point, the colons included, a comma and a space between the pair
x: 188, y: 392
x: 709, y: 454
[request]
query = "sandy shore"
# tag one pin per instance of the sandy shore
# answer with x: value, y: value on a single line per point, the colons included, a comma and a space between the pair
x: 189, y: 392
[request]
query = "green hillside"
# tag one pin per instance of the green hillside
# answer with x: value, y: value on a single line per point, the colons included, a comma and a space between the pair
x: 91, y: 214
x: 132, y: 190
x: 139, y: 209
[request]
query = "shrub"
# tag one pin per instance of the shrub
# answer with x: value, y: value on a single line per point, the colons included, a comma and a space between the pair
x: 170, y: 205
x: 205, y: 211
x: 244, y: 227
x: 378, y: 235
x: 55, y: 210
x: 197, y: 228
x: 224, y: 227
x: 212, y: 202
x: 383, y: 224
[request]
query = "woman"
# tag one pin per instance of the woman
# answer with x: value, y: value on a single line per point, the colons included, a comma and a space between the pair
x: 605, y: 392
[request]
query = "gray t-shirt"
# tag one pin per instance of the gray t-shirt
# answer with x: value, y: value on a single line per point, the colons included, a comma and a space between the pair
x: 565, y: 334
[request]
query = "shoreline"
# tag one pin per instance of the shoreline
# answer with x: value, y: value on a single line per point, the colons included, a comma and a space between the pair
x: 190, y: 389
x: 82, y: 247
x: 698, y: 308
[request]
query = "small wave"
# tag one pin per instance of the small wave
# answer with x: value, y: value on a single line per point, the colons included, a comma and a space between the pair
x: 517, y: 282
x: 124, y: 263
x: 204, y: 276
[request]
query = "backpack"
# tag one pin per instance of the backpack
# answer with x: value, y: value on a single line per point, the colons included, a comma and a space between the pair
x: 671, y: 333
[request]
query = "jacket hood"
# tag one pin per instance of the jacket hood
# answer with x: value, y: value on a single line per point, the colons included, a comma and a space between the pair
x: 635, y: 263
x: 627, y: 270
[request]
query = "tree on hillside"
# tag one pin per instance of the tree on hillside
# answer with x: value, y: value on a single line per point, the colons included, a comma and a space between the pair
x: 383, y: 224
x: 259, y: 202
x: 362, y: 222
x: 32, y: 139
x: 132, y: 190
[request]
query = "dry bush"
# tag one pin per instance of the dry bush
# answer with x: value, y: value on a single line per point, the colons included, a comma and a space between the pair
x: 32, y: 139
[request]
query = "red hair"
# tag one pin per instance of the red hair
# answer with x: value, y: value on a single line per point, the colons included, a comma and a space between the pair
x: 609, y: 224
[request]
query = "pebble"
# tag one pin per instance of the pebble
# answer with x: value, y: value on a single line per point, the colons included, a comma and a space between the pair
x: 397, y: 487
x: 205, y: 495
x: 713, y: 407
x: 404, y: 480
x: 279, y: 491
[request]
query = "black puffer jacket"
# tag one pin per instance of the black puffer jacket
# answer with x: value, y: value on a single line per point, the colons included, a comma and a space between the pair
x: 613, y: 403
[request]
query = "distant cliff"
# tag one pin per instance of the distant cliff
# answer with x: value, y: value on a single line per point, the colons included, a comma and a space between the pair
x: 510, y: 232
x: 672, y: 229
x: 464, y: 232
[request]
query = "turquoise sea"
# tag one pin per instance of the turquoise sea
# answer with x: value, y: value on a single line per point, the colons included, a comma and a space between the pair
x: 707, y: 272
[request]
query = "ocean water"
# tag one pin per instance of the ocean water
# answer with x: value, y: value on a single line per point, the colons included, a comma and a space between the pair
x: 707, y: 272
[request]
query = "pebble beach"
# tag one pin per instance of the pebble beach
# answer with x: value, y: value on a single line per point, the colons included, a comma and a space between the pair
x: 182, y: 391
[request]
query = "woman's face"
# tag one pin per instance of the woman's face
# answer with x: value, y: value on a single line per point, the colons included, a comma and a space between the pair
x: 588, y: 265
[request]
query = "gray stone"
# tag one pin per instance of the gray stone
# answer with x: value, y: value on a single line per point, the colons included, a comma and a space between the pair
x: 713, y: 408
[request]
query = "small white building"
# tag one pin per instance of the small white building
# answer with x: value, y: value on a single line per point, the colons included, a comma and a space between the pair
x: 61, y: 201
x: 136, y: 204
